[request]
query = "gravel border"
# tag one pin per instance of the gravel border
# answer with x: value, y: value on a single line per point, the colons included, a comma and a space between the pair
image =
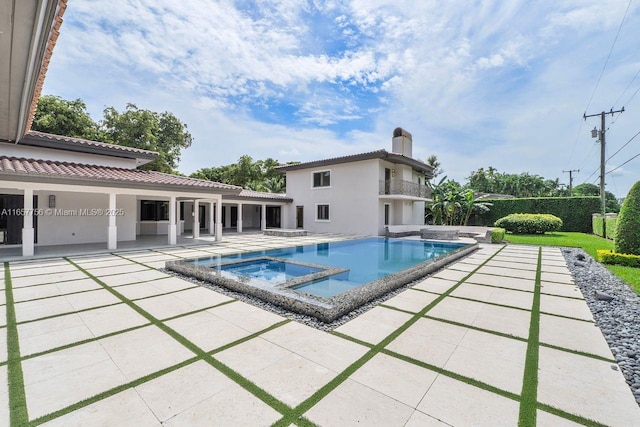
x: 618, y: 319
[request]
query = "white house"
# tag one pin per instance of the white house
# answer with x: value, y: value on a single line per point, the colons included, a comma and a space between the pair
x: 362, y: 193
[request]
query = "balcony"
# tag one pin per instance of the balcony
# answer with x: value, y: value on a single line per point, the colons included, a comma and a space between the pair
x: 398, y: 187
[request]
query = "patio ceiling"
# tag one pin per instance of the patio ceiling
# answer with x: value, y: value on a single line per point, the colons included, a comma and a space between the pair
x: 28, y: 31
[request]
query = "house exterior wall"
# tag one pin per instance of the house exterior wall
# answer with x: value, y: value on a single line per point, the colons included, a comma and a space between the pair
x: 66, y: 228
x: 29, y: 152
x: 352, y: 198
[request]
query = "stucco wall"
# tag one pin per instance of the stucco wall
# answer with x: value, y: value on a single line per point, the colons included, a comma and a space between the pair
x: 18, y: 150
x: 352, y: 197
x: 65, y: 228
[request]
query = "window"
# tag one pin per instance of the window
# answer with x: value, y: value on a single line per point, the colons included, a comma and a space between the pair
x: 322, y: 179
x: 323, y: 213
x: 154, y: 210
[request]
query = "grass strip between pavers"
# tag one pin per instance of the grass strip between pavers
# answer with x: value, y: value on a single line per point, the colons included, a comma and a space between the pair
x: 18, y: 414
x: 529, y: 400
x: 249, y: 386
x: 296, y: 413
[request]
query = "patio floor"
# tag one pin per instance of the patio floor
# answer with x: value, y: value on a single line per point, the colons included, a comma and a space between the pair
x: 502, y: 337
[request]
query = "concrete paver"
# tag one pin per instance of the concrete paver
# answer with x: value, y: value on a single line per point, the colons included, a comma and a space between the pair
x: 293, y: 361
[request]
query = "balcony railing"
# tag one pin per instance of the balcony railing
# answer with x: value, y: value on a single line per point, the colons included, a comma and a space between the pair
x: 404, y: 188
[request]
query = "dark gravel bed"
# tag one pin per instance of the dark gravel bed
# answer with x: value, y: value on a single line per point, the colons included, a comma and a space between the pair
x: 618, y: 319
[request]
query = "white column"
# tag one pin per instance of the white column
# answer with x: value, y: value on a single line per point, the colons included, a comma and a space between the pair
x: 263, y: 219
x: 179, y: 222
x: 172, y: 235
x: 212, y: 226
x: 27, y: 225
x: 227, y: 216
x: 239, y: 217
x: 284, y: 217
x: 196, y: 219
x: 219, y: 220
x: 112, y: 240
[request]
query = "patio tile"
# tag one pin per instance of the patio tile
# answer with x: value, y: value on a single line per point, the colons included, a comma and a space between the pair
x: 352, y: 403
x: 20, y: 282
x: 171, y: 283
x: 568, y: 307
x: 246, y: 316
x: 234, y: 407
x: 91, y: 299
x: 545, y: 419
x: 4, y: 397
x: 149, y: 274
x: 563, y: 290
x: 573, y: 335
x: 374, y: 325
x: 105, y: 320
x: 3, y: 348
x: 482, y: 293
x: 165, y: 306
x: 201, y: 297
x: 328, y: 350
x: 120, y: 279
x: 116, y: 269
x: 420, y: 419
x: 489, y: 358
x: 35, y: 292
x: 179, y: 390
x: 46, y: 334
x: 303, y: 378
x: 206, y: 330
x: 526, y: 259
x: 123, y: 409
x: 502, y: 319
x: 434, y: 349
x: 45, y: 396
x: 586, y: 387
x: 41, y: 269
x: 402, y: 381
x: 436, y: 285
x: 557, y: 277
x: 463, y: 266
x: 140, y: 290
x: 456, y: 309
x: 144, y: 351
x: 450, y: 400
x: 411, y: 300
x: 449, y: 274
x: 503, y: 282
x: 252, y: 356
x: 95, y: 264
x: 42, y: 308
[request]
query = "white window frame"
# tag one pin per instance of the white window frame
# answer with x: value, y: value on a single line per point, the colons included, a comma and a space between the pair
x: 328, y: 212
x: 322, y: 186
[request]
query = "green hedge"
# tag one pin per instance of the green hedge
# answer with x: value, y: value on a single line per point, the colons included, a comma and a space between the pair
x: 575, y: 212
x: 612, y: 226
x: 497, y: 235
x: 521, y: 223
x: 628, y: 229
x: 598, y: 225
x: 608, y: 257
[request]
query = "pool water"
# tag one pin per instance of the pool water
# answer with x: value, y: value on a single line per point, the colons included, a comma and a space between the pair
x: 269, y: 271
x: 366, y: 259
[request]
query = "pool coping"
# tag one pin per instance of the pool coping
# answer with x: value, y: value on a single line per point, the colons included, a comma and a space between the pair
x: 324, y: 309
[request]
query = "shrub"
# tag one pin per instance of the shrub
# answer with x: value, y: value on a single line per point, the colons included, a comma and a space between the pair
x: 575, y: 212
x: 628, y: 232
x: 612, y: 225
x: 608, y: 257
x: 497, y: 235
x: 598, y: 225
x: 529, y: 223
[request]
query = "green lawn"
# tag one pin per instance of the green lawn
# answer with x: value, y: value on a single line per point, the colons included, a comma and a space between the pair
x: 588, y: 242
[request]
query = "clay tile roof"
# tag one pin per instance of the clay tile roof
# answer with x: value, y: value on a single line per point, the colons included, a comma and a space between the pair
x: 250, y: 194
x: 55, y: 169
x: 33, y: 136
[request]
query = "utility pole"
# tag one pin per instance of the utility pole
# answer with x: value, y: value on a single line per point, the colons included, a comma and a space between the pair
x: 602, y: 151
x: 570, y: 172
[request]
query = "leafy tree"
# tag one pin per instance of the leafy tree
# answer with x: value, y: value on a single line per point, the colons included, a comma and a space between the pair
x: 627, y: 239
x: 148, y: 130
x: 588, y: 189
x: 452, y: 204
x: 67, y: 118
x: 433, y: 161
x: 517, y: 185
x: 259, y: 175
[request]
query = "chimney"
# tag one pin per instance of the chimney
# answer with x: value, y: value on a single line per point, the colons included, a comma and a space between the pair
x: 402, y: 143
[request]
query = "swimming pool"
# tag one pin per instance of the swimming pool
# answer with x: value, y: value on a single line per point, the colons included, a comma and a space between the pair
x: 325, y: 279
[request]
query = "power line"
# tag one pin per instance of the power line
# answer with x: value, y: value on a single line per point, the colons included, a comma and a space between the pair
x: 625, y: 144
x: 627, y: 88
x: 608, y: 56
x: 619, y: 166
x: 592, y: 173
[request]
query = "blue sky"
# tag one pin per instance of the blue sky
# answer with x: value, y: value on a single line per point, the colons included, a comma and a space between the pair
x: 484, y: 83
